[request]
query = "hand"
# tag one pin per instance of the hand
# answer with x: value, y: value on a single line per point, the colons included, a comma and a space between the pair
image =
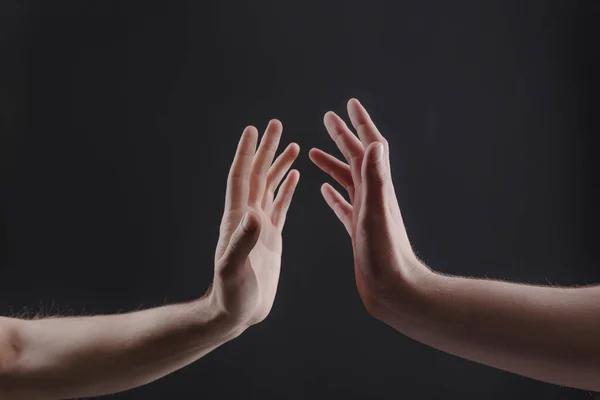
x: 383, y: 257
x: 248, y: 255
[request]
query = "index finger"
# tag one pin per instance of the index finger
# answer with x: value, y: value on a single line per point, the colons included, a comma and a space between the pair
x: 238, y: 181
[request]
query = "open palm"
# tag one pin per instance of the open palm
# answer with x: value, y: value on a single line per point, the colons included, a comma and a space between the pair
x: 248, y: 254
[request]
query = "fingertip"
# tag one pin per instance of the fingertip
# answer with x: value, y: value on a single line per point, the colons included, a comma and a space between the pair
x: 248, y: 140
x: 250, y: 130
x: 294, y: 147
x: 250, y: 222
x: 276, y: 123
x: 312, y: 153
x: 375, y: 151
x: 292, y: 180
x: 353, y: 102
x: 328, y: 117
x: 353, y: 106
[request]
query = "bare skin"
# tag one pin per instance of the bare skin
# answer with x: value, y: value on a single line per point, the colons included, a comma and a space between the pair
x: 547, y: 333
x: 57, y: 358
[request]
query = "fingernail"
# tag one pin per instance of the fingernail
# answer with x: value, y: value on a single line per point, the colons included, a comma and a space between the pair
x: 246, y: 221
x: 377, y: 154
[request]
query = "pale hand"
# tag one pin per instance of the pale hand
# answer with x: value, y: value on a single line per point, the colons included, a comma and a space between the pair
x: 248, y: 255
x: 384, y: 261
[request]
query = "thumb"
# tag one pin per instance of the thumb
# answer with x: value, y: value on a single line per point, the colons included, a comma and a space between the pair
x: 374, y: 177
x: 240, y: 245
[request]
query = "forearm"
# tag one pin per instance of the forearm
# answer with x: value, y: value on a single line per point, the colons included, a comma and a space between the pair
x: 546, y: 333
x: 90, y: 356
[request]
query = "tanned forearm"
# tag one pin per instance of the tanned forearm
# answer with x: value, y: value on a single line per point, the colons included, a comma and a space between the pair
x: 546, y: 333
x: 58, y: 358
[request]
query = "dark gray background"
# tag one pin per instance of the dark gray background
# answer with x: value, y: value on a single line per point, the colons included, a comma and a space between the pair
x: 119, y: 120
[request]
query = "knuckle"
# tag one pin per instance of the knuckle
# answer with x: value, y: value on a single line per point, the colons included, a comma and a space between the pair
x: 339, y: 135
x: 235, y: 174
x: 356, y: 157
x: 362, y: 126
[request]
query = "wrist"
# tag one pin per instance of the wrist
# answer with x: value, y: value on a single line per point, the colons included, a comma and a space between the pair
x: 407, y: 292
x: 211, y: 319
